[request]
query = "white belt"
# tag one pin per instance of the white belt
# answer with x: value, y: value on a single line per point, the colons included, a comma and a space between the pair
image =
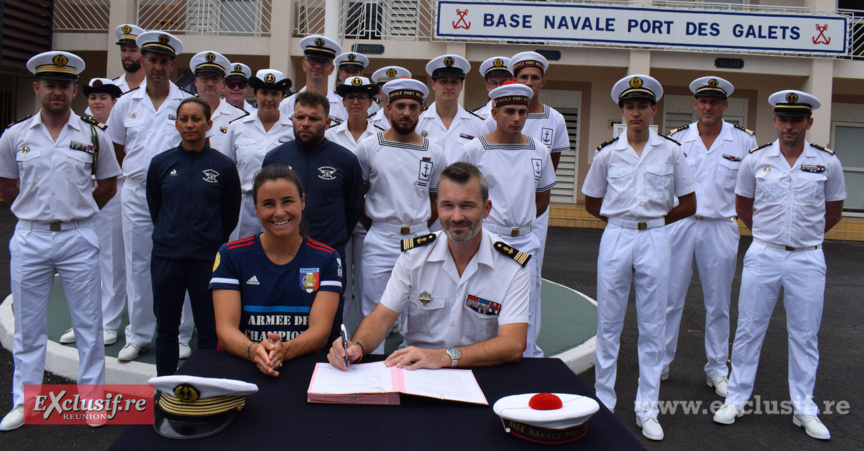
x: 704, y: 218
x: 400, y: 229
x: 638, y: 224
x: 783, y: 247
x: 507, y: 231
x: 55, y: 226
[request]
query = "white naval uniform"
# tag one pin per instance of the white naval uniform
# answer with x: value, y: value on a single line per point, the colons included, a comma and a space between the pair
x: 352, y: 264
x: 249, y: 108
x: 124, y: 85
x: 710, y: 237
x: 222, y: 117
x: 374, y: 108
x: 789, y: 211
x: 145, y: 132
x: 484, y: 111
x: 247, y: 143
x: 337, y: 109
x: 380, y: 120
x: 637, y: 194
x: 464, y: 310
x: 55, y: 187
x: 400, y: 178
x: 550, y: 129
x: 516, y: 172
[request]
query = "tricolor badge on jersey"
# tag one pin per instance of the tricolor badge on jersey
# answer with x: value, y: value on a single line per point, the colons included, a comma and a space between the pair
x: 309, y: 278
x: 520, y: 257
x: 411, y: 243
x: 483, y: 306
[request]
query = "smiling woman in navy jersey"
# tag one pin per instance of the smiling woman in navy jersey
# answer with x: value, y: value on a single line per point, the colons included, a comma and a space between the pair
x: 276, y: 294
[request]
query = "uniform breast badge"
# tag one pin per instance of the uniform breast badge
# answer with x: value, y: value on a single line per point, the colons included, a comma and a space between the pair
x: 309, y: 279
x: 425, y: 297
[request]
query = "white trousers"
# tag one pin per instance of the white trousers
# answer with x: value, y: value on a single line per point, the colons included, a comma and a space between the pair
x: 35, y: 254
x: 247, y: 222
x: 539, y: 228
x: 138, y: 241
x: 528, y: 243
x: 112, y: 261
x: 713, y: 244
x: 640, y: 256
x: 353, y: 270
x: 801, y: 274
x: 380, y: 251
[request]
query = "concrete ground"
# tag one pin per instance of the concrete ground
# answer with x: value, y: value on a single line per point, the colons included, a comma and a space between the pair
x: 571, y: 258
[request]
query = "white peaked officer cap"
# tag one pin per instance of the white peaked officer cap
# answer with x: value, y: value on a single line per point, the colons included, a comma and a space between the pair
x: 794, y: 103
x: 711, y: 87
x: 637, y: 87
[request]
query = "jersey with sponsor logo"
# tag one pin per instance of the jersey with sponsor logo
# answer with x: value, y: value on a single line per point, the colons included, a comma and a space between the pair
x: 276, y: 298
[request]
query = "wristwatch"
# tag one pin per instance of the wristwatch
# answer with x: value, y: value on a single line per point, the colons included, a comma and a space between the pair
x: 455, y: 354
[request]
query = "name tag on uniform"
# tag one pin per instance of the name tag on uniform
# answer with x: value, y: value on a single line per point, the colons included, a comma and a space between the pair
x: 284, y: 140
x: 172, y: 117
x: 731, y: 157
x: 463, y: 135
x: 813, y: 168
x: 89, y: 148
x: 483, y: 306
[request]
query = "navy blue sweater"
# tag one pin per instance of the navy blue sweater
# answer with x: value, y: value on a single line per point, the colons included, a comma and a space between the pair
x: 333, y: 183
x: 194, y: 202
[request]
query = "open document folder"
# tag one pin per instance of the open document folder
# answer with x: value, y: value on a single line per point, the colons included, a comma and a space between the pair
x: 374, y: 383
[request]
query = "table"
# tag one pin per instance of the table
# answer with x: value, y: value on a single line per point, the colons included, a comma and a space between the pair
x: 278, y: 416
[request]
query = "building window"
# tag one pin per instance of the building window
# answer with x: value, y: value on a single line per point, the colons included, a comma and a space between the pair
x: 847, y: 138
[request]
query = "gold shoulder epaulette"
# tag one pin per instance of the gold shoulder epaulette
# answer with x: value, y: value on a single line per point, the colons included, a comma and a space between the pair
x: 685, y: 127
x: 411, y: 243
x: 745, y: 130
x: 760, y: 147
x: 20, y: 120
x: 824, y: 149
x: 670, y: 139
x: 601, y: 146
x: 92, y: 121
x: 520, y: 257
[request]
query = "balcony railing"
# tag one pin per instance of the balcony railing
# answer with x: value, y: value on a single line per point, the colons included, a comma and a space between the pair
x: 207, y: 17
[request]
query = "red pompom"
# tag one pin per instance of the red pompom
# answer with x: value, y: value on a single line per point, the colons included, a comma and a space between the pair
x: 545, y: 401
x: 508, y: 82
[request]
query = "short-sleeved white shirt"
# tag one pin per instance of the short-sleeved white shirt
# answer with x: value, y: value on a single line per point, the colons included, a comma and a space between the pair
x: 400, y: 177
x: 248, y: 143
x: 340, y: 134
x: 55, y: 176
x: 547, y: 127
x: 484, y: 111
x: 515, y: 173
x: 492, y: 291
x: 464, y: 128
x: 249, y: 108
x: 639, y: 188
x: 380, y: 120
x: 144, y: 131
x: 124, y: 84
x: 337, y: 109
x: 789, y: 203
x: 222, y: 117
x: 715, y: 169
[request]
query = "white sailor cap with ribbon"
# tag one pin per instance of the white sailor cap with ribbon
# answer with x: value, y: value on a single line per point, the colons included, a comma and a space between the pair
x: 390, y: 73
x: 405, y: 88
x: 56, y: 65
x: 527, y: 59
x: 351, y: 59
x: 102, y: 85
x: 320, y: 47
x: 794, y: 103
x: 448, y: 66
x: 511, y: 93
x: 637, y: 87
x: 270, y: 79
x: 711, y: 87
x: 497, y: 65
x: 549, y: 418
x: 195, y: 407
x: 210, y: 61
x: 160, y: 42
x: 357, y: 84
x: 239, y: 71
x: 127, y: 33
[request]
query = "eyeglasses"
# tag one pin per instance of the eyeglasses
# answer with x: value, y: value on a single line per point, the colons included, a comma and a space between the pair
x: 318, y: 61
x: 209, y: 78
x: 234, y: 84
x: 494, y: 83
x: 351, y: 98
